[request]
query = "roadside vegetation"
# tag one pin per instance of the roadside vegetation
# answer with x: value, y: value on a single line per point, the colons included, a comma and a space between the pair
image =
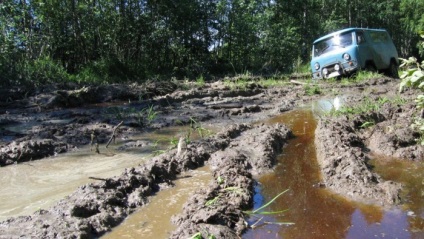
x: 104, y: 41
x: 413, y: 76
x: 367, y: 105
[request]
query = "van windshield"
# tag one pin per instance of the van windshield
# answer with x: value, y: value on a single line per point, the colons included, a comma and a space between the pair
x: 335, y: 42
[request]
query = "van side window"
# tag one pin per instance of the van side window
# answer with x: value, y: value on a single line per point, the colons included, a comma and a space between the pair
x: 379, y: 37
x: 360, y: 37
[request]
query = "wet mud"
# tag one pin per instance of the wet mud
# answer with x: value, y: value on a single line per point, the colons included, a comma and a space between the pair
x: 344, y: 147
x: 93, y: 209
x: 44, y: 123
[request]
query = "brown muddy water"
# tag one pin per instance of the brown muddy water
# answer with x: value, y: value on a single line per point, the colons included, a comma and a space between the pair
x: 318, y: 213
x: 153, y: 220
x: 29, y: 186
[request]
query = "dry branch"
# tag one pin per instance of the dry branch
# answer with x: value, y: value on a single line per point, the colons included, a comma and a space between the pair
x: 114, y: 134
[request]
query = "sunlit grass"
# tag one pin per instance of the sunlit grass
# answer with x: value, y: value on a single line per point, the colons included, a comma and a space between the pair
x: 360, y: 76
x: 243, y: 82
x: 365, y: 106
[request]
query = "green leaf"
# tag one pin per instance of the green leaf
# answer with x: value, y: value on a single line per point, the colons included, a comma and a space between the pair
x: 417, y: 76
x: 197, y: 236
x: 282, y: 223
x: 212, y: 201
x: 367, y: 124
x: 271, y: 201
x: 272, y: 213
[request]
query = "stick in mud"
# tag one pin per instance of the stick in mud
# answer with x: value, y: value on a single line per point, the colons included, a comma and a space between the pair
x: 95, y: 178
x: 94, y: 138
x: 114, y: 134
x: 182, y: 145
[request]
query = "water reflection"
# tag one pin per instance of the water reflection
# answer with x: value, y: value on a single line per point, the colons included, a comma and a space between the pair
x: 411, y: 175
x: 393, y: 224
x: 323, y: 106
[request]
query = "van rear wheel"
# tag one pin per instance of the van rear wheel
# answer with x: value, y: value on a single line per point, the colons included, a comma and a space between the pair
x: 370, y: 67
x: 393, y: 70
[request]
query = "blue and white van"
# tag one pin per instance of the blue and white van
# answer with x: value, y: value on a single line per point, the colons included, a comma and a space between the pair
x: 346, y: 51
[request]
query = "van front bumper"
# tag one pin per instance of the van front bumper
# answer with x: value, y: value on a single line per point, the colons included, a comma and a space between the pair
x: 335, y: 69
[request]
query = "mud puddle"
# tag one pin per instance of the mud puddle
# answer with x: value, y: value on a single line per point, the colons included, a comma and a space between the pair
x: 39, y: 184
x: 30, y: 186
x: 152, y: 220
x: 315, y: 211
x: 411, y: 174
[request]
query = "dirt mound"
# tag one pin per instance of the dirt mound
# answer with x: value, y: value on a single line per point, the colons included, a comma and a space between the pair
x: 344, y: 164
x: 30, y: 150
x: 390, y: 137
x: 345, y: 144
x: 95, y: 208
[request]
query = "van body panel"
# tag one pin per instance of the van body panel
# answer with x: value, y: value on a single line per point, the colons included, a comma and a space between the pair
x: 346, y: 51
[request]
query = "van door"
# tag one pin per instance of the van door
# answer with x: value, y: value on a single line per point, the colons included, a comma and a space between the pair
x: 364, y: 51
x: 379, y: 47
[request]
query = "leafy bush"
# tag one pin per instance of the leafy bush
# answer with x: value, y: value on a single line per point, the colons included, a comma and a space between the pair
x: 43, y: 70
x: 105, y: 71
x: 413, y: 76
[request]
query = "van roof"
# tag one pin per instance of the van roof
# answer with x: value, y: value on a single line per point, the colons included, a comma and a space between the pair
x: 345, y: 30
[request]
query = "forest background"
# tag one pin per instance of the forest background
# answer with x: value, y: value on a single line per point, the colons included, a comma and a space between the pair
x: 107, y: 41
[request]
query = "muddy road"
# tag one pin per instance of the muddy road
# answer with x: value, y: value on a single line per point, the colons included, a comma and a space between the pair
x: 223, y: 128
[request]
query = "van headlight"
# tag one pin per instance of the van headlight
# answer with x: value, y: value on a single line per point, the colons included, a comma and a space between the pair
x: 346, y: 56
x: 336, y: 67
x: 325, y: 71
x: 317, y: 66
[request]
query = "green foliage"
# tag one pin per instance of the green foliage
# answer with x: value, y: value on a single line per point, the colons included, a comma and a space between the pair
x: 200, y: 236
x: 367, y: 124
x: 197, y: 127
x: 212, y: 201
x: 173, y: 142
x: 43, y: 70
x: 150, y: 114
x: 413, y: 76
x: 301, y: 67
x: 220, y: 180
x: 106, y: 41
x: 105, y: 71
x: 143, y: 116
x: 312, y: 89
x: 365, y: 106
x: 200, y: 81
x: 362, y: 76
x: 259, y: 211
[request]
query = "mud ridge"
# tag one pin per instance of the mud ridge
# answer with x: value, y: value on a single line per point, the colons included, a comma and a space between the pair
x: 218, y: 209
x: 344, y: 145
x: 343, y: 163
x: 95, y: 208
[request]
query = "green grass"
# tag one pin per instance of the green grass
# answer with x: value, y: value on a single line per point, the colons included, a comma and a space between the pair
x: 311, y: 89
x: 302, y: 68
x: 365, y: 106
x: 360, y: 76
x: 147, y: 115
x: 200, y: 81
